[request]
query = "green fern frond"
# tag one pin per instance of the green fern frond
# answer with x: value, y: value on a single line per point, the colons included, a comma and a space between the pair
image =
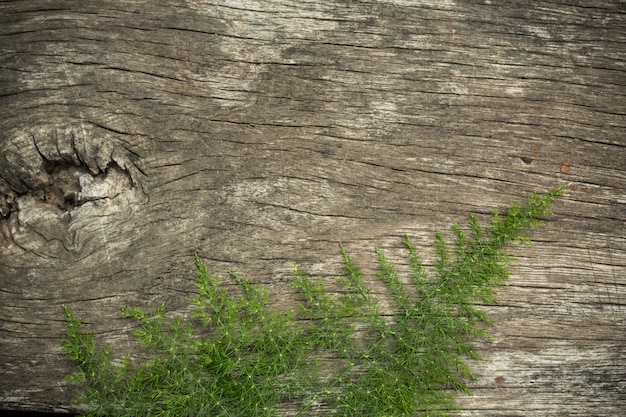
x: 337, y: 354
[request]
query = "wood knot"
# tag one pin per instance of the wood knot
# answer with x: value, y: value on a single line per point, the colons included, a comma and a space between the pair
x: 64, y: 167
x: 58, y: 179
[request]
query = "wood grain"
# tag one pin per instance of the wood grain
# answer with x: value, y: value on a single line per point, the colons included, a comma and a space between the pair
x: 264, y: 132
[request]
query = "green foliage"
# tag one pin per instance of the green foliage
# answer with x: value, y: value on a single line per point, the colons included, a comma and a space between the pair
x: 338, y: 354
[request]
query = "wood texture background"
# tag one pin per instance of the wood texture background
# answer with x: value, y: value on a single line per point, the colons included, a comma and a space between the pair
x: 258, y: 133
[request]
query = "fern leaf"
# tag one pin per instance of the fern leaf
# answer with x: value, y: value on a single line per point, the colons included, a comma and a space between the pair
x: 241, y: 357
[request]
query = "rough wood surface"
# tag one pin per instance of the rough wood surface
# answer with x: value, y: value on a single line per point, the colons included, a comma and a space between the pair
x: 134, y: 134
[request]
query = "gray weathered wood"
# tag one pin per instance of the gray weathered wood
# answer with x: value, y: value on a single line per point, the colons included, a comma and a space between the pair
x: 134, y: 134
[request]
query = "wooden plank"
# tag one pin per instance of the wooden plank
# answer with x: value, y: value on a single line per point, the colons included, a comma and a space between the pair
x: 261, y: 133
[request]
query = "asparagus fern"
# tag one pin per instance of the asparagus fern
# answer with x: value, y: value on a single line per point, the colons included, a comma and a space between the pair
x: 240, y: 357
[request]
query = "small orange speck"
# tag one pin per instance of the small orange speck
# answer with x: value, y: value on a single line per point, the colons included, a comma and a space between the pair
x: 564, y: 168
x: 537, y: 149
x: 587, y: 189
x: 500, y: 379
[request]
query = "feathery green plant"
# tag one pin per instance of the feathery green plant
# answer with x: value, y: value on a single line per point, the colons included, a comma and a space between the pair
x: 336, y: 355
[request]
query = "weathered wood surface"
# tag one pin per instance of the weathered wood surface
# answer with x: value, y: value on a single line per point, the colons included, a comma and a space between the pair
x: 256, y: 133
